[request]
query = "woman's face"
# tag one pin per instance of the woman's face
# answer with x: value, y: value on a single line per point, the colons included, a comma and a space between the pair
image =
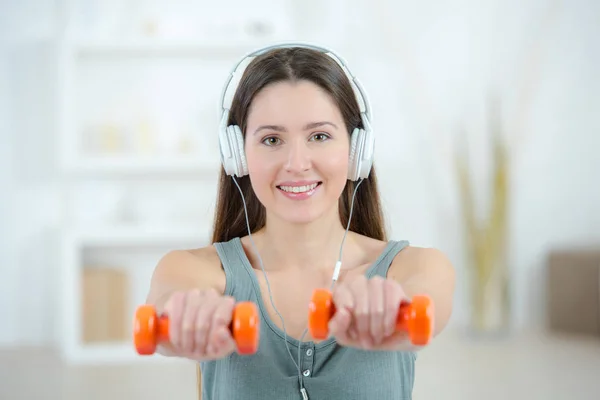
x: 297, y: 149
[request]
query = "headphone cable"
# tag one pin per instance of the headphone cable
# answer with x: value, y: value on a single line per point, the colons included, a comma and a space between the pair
x: 333, y: 280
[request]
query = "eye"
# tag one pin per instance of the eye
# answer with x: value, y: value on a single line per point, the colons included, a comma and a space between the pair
x: 320, y: 137
x: 271, y: 141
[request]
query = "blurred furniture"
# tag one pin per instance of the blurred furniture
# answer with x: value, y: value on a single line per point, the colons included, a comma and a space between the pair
x: 105, y: 299
x: 573, y: 295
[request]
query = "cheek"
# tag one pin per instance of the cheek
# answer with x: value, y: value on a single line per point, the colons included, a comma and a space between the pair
x: 337, y: 164
x: 259, y: 165
x: 262, y: 171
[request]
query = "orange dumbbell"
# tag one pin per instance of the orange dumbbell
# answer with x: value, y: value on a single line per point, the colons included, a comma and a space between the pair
x: 414, y: 318
x: 150, y: 329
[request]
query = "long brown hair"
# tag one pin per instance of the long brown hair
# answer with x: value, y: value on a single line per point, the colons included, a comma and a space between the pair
x: 293, y: 64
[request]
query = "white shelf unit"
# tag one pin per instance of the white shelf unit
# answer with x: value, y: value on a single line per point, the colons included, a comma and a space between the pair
x: 114, y: 88
x: 75, y: 244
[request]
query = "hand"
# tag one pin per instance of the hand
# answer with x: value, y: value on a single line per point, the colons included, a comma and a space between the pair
x: 366, y: 312
x: 199, y: 324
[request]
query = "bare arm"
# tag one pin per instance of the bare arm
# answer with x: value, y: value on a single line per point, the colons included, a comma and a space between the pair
x: 183, y: 270
x: 426, y: 271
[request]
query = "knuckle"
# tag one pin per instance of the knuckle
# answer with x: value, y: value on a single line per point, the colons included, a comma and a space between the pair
x: 187, y: 328
x: 220, y: 319
x: 362, y: 311
x: 174, y: 300
x: 229, y: 302
x: 228, y: 299
x: 378, y: 312
x: 202, y: 327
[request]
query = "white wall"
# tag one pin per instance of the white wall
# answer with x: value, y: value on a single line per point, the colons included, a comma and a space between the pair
x: 458, y: 48
x: 461, y: 50
x: 28, y: 177
x: 7, y: 314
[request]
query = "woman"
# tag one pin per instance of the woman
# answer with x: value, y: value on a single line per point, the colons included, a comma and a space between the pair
x: 296, y: 163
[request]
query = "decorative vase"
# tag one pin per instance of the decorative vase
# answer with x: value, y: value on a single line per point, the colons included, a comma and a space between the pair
x: 487, y: 245
x: 490, y: 306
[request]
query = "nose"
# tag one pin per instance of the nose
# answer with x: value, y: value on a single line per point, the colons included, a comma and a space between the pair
x: 298, y: 157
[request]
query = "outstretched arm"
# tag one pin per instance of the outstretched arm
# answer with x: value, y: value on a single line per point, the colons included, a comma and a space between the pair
x: 426, y: 271
x: 367, y: 309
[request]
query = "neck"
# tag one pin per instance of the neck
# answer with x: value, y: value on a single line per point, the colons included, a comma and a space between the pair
x: 316, y: 245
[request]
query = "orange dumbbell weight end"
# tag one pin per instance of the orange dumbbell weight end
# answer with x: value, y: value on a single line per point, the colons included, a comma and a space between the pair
x: 415, y: 318
x: 151, y: 329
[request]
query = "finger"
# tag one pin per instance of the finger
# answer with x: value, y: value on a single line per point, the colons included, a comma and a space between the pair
x: 220, y: 322
x: 174, y: 308
x: 204, y: 321
x: 376, y: 305
x: 343, y: 298
x: 188, y: 322
x: 223, y: 343
x: 360, y: 291
x: 394, y: 295
x: 338, y: 328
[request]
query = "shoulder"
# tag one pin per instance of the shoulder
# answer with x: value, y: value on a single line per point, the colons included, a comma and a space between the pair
x: 188, y: 269
x: 204, y: 257
x: 420, y: 260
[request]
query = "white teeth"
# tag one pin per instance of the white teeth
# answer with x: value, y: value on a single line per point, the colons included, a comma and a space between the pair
x: 298, y: 189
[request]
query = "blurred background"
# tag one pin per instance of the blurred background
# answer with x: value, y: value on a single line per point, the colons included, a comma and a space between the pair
x: 486, y: 116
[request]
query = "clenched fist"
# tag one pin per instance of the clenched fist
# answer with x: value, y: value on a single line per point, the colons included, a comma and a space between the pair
x: 199, y: 324
x: 366, y: 313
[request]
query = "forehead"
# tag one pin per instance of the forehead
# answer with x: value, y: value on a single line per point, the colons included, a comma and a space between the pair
x: 291, y: 103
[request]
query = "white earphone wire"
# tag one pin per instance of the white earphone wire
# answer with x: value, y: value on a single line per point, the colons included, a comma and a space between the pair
x: 333, y: 280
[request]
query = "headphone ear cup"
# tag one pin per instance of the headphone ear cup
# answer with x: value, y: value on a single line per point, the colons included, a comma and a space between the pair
x: 236, y: 137
x: 227, y: 151
x: 354, y: 158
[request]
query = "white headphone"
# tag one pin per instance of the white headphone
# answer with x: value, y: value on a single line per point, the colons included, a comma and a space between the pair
x: 231, y: 140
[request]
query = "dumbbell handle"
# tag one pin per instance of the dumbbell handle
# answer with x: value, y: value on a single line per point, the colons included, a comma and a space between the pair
x: 416, y: 317
x: 151, y: 329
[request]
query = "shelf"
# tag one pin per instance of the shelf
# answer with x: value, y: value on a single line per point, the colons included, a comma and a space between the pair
x: 138, y: 236
x: 116, y: 165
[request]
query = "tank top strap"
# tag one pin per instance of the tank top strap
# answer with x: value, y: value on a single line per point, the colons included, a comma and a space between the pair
x: 239, y: 283
x: 381, y: 266
x: 240, y: 279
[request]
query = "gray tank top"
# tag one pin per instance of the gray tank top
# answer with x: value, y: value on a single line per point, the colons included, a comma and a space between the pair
x: 328, y: 371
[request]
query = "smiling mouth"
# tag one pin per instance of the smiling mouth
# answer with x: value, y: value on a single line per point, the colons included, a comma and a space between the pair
x: 299, y: 189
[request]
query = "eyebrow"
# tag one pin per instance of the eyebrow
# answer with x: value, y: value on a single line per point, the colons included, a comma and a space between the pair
x: 308, y: 126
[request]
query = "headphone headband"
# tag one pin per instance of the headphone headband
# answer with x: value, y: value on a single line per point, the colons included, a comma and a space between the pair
x: 359, y: 92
